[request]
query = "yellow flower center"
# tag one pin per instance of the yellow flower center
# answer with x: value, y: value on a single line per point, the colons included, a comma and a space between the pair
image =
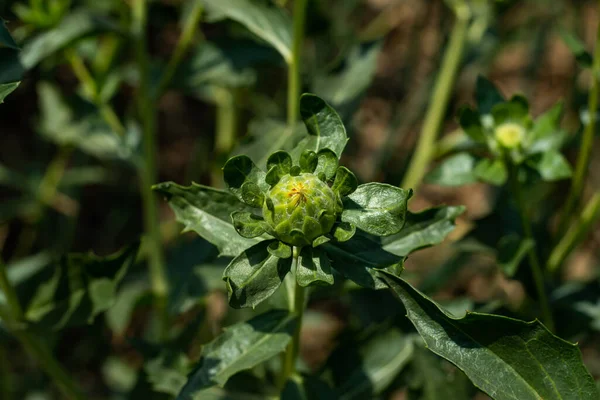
x: 509, y: 135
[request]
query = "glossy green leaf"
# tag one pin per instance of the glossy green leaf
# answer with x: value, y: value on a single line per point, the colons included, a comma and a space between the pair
x: 345, y: 182
x: 240, y: 347
x: 254, y: 275
x: 248, y: 225
x: 75, y: 26
x: 228, y: 64
x: 239, y: 170
x: 470, y: 121
x: 6, y: 89
x: 167, y: 373
x: 11, y: 70
x: 377, y: 208
x: 80, y: 287
x: 366, y: 371
x: 252, y: 194
x: 279, y: 249
x: 583, y: 57
x: 514, y: 110
x: 207, y: 211
x: 325, y: 128
x: 359, y: 258
x: 64, y: 124
x: 512, y: 249
x: 309, y: 161
x: 423, y: 229
x: 307, y: 387
x: 455, y: 170
x: 344, y: 231
x: 320, y: 240
x: 6, y: 39
x: 504, y: 357
x: 327, y: 164
x: 278, y: 165
x: 491, y: 171
x: 551, y: 166
x: 345, y: 86
x: 487, y: 95
x: 269, y: 23
x: 314, y: 268
x: 547, y: 124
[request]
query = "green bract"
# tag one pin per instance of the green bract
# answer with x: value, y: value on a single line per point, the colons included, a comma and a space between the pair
x: 299, y: 203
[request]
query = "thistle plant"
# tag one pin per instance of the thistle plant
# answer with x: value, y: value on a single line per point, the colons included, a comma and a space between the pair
x: 510, y: 140
x: 299, y: 211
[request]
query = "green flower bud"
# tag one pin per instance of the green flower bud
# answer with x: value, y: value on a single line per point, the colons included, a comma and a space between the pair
x: 300, y: 208
x: 509, y: 135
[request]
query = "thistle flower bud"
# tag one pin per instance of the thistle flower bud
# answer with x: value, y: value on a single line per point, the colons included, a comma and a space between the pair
x: 300, y: 208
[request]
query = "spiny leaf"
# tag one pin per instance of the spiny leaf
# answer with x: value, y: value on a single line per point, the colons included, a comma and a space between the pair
x: 345, y: 182
x: 240, y: 347
x: 325, y: 128
x: 81, y: 287
x: 248, y: 225
x: 75, y: 26
x: 423, y: 229
x: 506, y: 358
x: 358, y: 259
x: 364, y: 370
x: 456, y: 170
x: 313, y: 268
x: 239, y: 170
x: 377, y: 208
x: 207, y: 211
x: 269, y: 23
x: 254, y: 275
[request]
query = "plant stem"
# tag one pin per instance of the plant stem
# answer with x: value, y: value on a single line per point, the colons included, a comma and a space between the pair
x: 226, y: 128
x: 33, y: 345
x: 91, y: 90
x: 297, y: 307
x: 587, y: 142
x: 9, y: 293
x: 439, y: 101
x: 189, y: 30
x: 576, y: 233
x: 294, y: 64
x: 534, y: 262
x: 147, y: 170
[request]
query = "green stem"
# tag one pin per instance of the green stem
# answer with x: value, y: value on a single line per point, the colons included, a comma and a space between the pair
x: 9, y: 293
x: 91, y: 90
x: 576, y: 233
x: 226, y: 128
x: 425, y: 149
x: 49, y: 185
x: 587, y: 142
x: 185, y: 40
x: 147, y: 170
x: 294, y: 63
x: 297, y: 308
x: 32, y: 344
x: 534, y: 262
